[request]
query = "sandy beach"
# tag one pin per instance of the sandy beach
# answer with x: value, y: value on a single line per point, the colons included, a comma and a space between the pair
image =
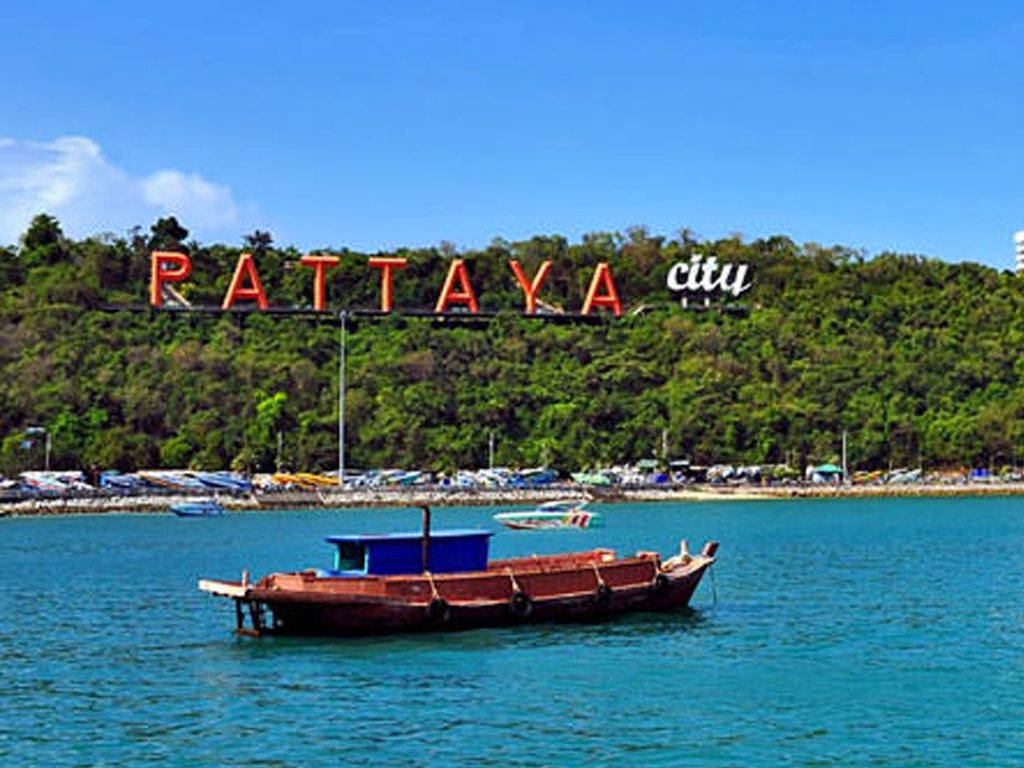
x: 415, y: 497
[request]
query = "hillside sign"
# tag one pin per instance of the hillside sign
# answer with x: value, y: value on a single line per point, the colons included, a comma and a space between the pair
x: 697, y: 275
x: 172, y: 267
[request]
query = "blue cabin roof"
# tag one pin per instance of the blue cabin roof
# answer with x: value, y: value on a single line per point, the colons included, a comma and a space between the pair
x: 451, y: 551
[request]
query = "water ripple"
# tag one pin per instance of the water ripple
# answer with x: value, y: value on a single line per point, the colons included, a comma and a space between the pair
x: 844, y: 633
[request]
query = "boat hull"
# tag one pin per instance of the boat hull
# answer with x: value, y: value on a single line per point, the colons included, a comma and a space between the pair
x: 509, y: 593
x: 379, y: 617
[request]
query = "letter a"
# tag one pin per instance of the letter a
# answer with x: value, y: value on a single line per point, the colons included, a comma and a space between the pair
x: 610, y: 297
x: 159, y: 261
x: 245, y: 268
x: 530, y: 289
x: 457, y: 271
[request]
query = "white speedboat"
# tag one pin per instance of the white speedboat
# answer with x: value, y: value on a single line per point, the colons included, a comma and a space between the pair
x: 565, y: 513
x: 204, y: 508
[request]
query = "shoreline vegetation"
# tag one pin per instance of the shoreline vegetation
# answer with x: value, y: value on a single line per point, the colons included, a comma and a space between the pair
x: 914, y: 360
x: 416, y: 497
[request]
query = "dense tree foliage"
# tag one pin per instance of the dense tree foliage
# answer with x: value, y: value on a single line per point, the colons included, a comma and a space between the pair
x: 916, y: 358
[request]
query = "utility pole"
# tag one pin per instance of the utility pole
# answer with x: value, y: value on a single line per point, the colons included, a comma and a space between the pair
x: 342, y: 317
x: 846, y: 476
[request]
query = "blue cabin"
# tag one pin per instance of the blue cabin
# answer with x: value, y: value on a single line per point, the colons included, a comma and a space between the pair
x: 452, y: 551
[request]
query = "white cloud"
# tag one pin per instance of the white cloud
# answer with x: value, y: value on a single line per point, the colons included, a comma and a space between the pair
x: 69, y: 178
x: 191, y: 195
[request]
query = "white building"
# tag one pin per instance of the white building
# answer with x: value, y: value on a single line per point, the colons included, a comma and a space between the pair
x: 1018, y: 240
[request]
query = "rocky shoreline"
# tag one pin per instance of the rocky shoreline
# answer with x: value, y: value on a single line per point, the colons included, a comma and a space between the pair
x: 415, y: 497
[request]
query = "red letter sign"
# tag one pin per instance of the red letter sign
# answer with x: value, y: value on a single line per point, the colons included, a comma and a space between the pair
x: 320, y: 264
x: 610, y: 298
x: 245, y: 268
x: 386, y: 265
x: 166, y: 267
x: 530, y: 290
x: 457, y: 271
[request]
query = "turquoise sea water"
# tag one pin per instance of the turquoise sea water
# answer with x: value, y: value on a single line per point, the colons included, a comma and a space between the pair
x: 852, y: 633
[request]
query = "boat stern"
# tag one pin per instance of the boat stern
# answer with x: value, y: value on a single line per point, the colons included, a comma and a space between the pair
x: 241, y: 593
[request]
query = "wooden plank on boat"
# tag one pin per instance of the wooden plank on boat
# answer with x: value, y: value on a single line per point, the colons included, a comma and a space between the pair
x: 222, y: 588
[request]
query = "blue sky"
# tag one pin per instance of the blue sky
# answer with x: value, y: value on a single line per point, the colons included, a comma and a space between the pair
x: 376, y: 125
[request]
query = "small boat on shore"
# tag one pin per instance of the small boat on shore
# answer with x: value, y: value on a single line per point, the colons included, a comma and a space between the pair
x: 205, y: 508
x: 564, y: 513
x: 443, y: 580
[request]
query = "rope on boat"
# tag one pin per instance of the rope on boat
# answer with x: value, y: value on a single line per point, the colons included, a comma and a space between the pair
x: 515, y: 584
x: 434, y: 594
x: 597, y: 572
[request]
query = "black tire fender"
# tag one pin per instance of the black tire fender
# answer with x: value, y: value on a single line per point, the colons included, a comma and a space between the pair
x: 520, y: 604
x: 438, y: 611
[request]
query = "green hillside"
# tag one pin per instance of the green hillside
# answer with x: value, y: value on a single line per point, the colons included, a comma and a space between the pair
x: 918, y: 359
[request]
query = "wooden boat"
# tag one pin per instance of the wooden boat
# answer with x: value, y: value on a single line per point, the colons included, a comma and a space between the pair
x: 206, y: 508
x: 443, y: 580
x: 566, y: 513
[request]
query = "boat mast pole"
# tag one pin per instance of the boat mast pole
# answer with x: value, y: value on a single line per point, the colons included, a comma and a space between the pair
x: 426, y: 539
x: 342, y: 316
